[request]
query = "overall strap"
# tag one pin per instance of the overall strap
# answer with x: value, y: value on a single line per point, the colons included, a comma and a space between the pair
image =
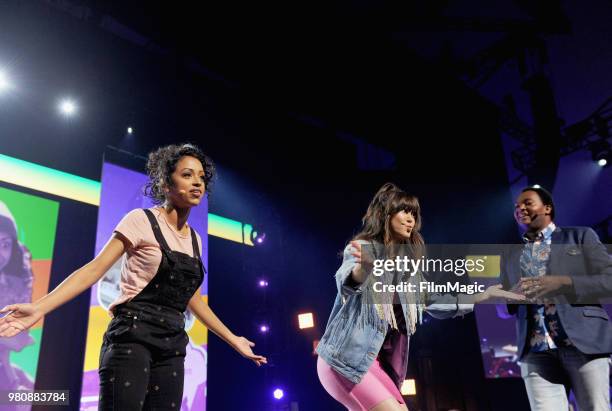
x: 156, y: 230
x: 194, y: 242
x: 196, y: 249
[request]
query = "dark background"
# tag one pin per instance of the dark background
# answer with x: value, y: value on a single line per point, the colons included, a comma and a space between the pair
x: 307, y: 109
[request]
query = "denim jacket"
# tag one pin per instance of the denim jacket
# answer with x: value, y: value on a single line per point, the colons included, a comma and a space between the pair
x: 350, y: 344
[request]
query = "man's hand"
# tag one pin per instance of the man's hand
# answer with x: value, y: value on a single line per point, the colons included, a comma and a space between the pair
x: 495, y: 292
x: 545, y: 286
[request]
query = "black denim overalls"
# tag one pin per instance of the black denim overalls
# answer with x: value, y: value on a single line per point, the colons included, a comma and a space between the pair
x: 143, y: 352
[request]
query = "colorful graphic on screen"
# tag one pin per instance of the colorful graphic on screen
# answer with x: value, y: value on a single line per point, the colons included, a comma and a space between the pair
x: 122, y: 192
x: 27, y: 237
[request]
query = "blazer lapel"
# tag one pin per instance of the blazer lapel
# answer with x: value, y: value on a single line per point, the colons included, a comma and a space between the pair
x: 515, y: 263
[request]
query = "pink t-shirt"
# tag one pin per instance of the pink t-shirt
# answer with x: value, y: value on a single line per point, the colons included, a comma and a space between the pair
x: 141, y: 261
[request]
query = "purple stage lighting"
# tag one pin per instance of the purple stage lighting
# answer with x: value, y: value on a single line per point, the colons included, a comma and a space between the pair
x: 257, y: 238
x: 260, y: 238
x: 264, y: 328
x: 278, y: 394
x: 263, y: 283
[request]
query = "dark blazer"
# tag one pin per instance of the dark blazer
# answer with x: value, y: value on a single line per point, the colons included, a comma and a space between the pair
x: 577, y: 252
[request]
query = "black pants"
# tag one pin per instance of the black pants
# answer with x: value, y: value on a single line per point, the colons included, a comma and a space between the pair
x: 142, y: 362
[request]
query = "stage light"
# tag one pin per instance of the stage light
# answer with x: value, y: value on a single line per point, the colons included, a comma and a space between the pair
x: 408, y: 387
x: 264, y: 328
x: 601, y: 152
x: 536, y: 186
x: 67, y: 107
x: 130, y: 130
x: 263, y: 283
x: 260, y: 238
x: 257, y: 238
x: 278, y: 393
x: 305, y: 320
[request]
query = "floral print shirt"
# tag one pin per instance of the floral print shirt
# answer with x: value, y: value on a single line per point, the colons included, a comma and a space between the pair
x: 546, y: 329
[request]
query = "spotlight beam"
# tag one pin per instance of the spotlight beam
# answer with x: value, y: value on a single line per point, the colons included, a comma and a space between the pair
x: 67, y: 107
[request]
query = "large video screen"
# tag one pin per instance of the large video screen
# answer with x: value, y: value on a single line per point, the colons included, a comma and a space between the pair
x: 27, y: 237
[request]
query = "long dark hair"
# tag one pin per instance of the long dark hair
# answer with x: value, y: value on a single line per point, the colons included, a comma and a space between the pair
x: 376, y: 223
x: 15, y: 264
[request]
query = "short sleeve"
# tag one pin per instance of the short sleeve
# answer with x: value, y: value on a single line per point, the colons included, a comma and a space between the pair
x: 132, y: 227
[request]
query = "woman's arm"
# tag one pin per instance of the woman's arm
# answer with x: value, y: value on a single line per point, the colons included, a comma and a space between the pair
x: 206, y: 315
x: 23, y: 316
x: 84, y: 277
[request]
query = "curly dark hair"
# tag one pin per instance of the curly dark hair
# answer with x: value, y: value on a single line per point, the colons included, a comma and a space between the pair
x: 162, y: 163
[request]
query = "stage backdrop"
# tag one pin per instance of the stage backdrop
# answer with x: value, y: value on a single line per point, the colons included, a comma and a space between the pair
x: 27, y: 236
x: 121, y: 192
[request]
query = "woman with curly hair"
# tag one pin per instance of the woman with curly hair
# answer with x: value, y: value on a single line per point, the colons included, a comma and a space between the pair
x: 363, y: 354
x: 143, y: 351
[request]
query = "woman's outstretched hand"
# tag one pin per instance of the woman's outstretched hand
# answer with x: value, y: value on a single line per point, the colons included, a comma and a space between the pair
x: 496, y: 291
x: 363, y: 261
x: 356, y: 251
x: 243, y: 346
x: 20, y: 317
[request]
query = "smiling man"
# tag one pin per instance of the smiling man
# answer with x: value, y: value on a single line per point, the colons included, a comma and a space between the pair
x: 564, y: 337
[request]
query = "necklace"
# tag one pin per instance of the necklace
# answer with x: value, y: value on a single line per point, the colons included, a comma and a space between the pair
x: 174, y: 229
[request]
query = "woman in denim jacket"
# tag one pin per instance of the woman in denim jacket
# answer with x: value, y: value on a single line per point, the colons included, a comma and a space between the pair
x: 363, y: 354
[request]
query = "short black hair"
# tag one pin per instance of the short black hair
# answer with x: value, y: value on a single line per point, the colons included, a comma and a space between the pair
x: 162, y: 162
x: 545, y: 196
